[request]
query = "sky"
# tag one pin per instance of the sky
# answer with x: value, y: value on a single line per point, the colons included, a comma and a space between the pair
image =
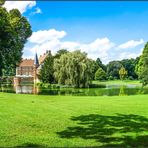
x: 108, y: 30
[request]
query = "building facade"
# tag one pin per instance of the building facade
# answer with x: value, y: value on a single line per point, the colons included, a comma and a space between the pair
x: 28, y: 70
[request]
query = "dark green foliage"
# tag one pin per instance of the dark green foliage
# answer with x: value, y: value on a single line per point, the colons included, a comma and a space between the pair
x: 129, y: 65
x: 94, y: 67
x: 60, y: 52
x: 142, y: 66
x: 2, y: 2
x: 100, y: 74
x: 14, y: 31
x: 100, y: 64
x: 113, y: 69
x: 47, y: 71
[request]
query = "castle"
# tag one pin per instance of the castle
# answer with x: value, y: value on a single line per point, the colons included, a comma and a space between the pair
x: 28, y: 70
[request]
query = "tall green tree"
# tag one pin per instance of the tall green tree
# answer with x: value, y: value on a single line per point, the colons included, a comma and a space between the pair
x: 122, y: 73
x: 47, y: 71
x: 142, y: 66
x: 113, y: 68
x: 14, y: 31
x: 95, y: 67
x: 73, y: 68
x: 100, y: 64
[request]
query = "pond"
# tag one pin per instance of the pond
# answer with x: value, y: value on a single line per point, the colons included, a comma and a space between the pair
x: 108, y: 90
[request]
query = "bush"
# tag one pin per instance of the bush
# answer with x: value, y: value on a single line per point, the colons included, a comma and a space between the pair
x: 100, y: 74
x: 110, y: 78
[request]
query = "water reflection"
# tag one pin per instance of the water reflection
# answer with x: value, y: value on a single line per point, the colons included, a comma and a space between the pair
x: 122, y: 91
x: 26, y: 89
x: 108, y: 91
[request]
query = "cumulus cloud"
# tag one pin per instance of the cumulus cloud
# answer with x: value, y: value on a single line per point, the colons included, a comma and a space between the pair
x: 98, y: 48
x: 103, y: 48
x: 51, y: 40
x: 42, y: 36
x: 22, y: 6
x: 131, y: 44
x: 127, y: 55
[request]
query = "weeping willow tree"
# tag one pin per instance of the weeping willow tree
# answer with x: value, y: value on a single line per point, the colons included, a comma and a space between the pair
x: 74, y: 69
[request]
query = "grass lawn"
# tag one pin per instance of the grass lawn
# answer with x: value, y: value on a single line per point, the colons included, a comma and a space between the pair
x: 118, y: 82
x: 66, y: 121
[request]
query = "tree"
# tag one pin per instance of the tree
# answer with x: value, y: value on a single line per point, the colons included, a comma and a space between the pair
x: 129, y: 65
x: 100, y: 64
x: 2, y: 2
x: 142, y: 66
x: 47, y: 71
x: 60, y: 52
x: 100, y: 74
x: 95, y: 67
x: 14, y: 31
x: 113, y: 69
x: 122, y: 73
x: 74, y: 69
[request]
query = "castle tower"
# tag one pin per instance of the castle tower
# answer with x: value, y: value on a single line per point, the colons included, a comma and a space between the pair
x: 36, y: 65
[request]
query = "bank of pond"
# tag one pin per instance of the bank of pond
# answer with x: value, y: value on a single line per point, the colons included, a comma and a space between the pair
x: 97, y: 89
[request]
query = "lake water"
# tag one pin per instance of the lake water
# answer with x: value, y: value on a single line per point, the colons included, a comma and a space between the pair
x: 109, y: 90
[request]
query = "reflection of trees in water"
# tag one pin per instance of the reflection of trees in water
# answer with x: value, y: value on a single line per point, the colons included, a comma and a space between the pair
x: 122, y: 91
x: 143, y: 90
x: 7, y: 88
x: 120, y: 130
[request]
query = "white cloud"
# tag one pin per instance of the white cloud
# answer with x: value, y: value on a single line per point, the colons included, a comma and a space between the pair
x: 37, y: 11
x: 131, y: 44
x: 98, y: 48
x: 43, y: 36
x: 50, y: 40
x: 22, y: 6
x: 129, y: 55
x: 103, y: 48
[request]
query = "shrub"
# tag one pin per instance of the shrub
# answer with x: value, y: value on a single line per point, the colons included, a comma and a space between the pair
x: 100, y: 74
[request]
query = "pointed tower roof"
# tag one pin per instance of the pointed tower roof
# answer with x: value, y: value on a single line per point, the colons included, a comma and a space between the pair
x: 36, y: 60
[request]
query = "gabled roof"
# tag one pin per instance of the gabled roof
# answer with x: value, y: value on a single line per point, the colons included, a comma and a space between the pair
x: 27, y: 63
x: 36, y: 61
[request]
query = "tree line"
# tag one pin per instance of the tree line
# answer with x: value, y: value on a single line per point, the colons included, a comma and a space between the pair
x: 76, y: 69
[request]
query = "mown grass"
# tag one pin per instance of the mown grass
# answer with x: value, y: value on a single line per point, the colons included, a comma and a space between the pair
x: 68, y: 121
x: 118, y: 82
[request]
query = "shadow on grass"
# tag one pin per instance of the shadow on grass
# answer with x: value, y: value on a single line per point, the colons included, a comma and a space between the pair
x: 111, y: 131
x: 30, y: 145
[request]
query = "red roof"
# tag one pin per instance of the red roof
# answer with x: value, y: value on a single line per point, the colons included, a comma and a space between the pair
x: 30, y: 62
x: 27, y: 63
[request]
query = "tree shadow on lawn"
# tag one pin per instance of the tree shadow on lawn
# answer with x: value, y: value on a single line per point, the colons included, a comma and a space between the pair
x: 30, y: 145
x: 111, y: 131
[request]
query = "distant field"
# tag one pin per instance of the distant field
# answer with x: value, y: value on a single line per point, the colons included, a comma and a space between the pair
x: 68, y: 121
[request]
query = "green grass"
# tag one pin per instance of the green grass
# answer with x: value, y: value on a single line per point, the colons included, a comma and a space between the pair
x: 68, y: 121
x: 118, y: 82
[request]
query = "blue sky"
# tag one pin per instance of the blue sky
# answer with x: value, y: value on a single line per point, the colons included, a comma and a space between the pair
x: 109, y: 30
